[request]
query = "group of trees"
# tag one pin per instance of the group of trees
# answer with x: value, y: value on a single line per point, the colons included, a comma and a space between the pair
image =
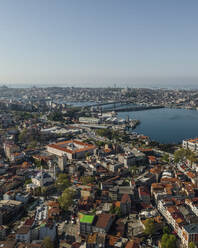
x: 30, y: 136
x: 66, y: 199
x: 55, y: 116
x: 182, y: 154
x: 107, y: 133
x: 28, y: 181
x: 72, y: 112
x: 47, y: 242
x: 67, y: 194
x: 86, y: 180
x: 170, y: 148
x: 62, y: 182
x: 165, y: 157
x: 25, y: 115
x: 192, y: 245
x: 113, y: 135
x: 150, y: 226
x: 168, y: 241
x: 40, y: 191
x: 99, y: 143
x: 40, y: 163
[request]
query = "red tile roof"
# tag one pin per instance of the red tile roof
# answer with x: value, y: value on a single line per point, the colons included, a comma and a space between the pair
x: 58, y: 146
x: 103, y: 220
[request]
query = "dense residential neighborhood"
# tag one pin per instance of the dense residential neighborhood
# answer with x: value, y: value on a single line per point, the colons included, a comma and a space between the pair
x: 59, y: 98
x: 78, y: 177
x: 98, y: 124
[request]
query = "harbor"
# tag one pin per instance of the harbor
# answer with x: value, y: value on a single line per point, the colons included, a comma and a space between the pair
x: 108, y: 120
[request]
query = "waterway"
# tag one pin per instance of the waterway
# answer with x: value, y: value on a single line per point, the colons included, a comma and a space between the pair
x: 108, y: 107
x: 165, y: 125
x: 162, y: 125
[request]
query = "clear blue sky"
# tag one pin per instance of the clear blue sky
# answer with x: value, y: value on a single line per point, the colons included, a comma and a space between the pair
x: 131, y: 42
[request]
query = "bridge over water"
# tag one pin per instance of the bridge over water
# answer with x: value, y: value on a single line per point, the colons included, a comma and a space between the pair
x: 121, y: 106
x: 100, y: 104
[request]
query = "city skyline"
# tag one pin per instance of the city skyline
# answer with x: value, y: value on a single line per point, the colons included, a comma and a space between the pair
x: 99, y: 43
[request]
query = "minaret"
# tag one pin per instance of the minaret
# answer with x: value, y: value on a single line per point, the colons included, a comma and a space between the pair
x: 42, y: 176
x: 127, y: 119
x: 54, y: 172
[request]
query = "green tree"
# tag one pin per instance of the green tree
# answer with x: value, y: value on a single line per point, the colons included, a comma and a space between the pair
x: 115, y: 210
x: 66, y: 199
x: 168, y: 241
x: 55, y: 116
x: 87, y: 179
x: 32, y: 144
x: 108, y: 133
x: 37, y: 163
x: 62, y: 182
x: 100, y: 143
x: 23, y: 136
x: 171, y: 242
x: 111, y: 211
x: 30, y: 136
x: 150, y: 227
x: 47, y: 242
x: 179, y: 155
x: 28, y: 181
x: 118, y: 211
x: 182, y: 154
x: 164, y: 239
x: 165, y: 157
x: 73, y: 112
x: 192, y: 245
x: 191, y: 156
x: 166, y: 230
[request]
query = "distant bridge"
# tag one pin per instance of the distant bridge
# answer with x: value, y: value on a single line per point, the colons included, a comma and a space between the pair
x: 107, y: 103
x: 122, y: 106
x: 134, y: 108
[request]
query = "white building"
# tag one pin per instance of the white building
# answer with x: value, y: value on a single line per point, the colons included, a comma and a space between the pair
x: 41, y: 179
x: 191, y: 144
x: 89, y: 120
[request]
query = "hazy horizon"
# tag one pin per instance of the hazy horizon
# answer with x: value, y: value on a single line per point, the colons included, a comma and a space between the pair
x: 99, y: 43
x: 100, y: 85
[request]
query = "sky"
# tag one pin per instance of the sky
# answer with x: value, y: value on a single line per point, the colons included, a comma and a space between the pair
x: 99, y: 42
